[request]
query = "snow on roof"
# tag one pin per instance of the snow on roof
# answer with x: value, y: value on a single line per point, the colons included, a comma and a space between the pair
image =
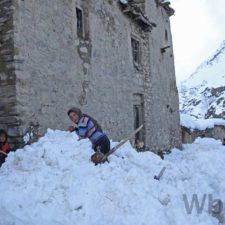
x: 165, y: 1
x: 124, y: 1
x: 199, y: 124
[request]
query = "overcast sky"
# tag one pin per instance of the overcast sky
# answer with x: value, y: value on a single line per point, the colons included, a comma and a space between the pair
x: 198, y: 29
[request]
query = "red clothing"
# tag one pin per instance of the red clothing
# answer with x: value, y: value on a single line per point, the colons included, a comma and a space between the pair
x: 6, y: 148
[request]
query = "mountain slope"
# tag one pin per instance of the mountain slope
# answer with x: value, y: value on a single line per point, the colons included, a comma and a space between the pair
x: 203, y: 93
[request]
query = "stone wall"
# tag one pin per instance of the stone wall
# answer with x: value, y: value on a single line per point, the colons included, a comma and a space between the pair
x: 189, y: 136
x: 162, y: 105
x: 55, y: 69
x: 9, y: 119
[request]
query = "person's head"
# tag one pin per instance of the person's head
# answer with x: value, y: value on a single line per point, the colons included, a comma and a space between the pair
x: 3, y: 136
x: 74, y: 114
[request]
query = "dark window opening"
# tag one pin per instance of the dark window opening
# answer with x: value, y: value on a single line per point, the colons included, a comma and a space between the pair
x: 166, y: 36
x: 79, y: 23
x: 135, y: 51
x: 139, y: 116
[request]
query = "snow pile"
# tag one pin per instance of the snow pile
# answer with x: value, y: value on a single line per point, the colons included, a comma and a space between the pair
x: 165, y: 1
x: 53, y: 182
x: 125, y: 2
x: 203, y: 93
x: 199, y: 124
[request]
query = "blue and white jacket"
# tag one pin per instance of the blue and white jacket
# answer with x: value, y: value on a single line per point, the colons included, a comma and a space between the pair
x: 87, y: 129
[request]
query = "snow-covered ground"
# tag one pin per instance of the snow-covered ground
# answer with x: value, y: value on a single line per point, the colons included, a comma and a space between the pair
x: 52, y: 182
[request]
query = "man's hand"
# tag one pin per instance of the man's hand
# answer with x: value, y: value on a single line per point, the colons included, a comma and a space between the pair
x: 73, y: 128
x: 80, y: 138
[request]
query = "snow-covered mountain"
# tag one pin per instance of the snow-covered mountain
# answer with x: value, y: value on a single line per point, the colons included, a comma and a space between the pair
x: 203, y: 93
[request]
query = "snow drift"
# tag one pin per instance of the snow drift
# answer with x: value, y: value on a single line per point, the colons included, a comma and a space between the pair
x: 52, y: 182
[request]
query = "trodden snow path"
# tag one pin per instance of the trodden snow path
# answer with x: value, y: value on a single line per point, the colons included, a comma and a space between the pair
x: 53, y: 182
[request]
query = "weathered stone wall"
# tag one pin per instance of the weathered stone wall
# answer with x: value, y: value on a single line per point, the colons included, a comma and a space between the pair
x: 96, y: 72
x: 217, y: 132
x: 163, y: 123
x: 8, y: 115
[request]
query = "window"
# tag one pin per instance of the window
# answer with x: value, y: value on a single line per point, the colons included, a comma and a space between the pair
x: 135, y: 51
x: 166, y: 36
x: 79, y: 23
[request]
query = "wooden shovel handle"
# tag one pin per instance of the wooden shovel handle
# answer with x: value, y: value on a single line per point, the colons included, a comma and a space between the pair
x: 121, y: 143
x: 3, y: 153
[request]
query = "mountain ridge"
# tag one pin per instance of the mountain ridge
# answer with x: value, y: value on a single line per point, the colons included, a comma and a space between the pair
x: 203, y: 94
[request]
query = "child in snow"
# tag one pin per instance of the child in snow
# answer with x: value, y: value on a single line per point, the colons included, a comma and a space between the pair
x: 4, y: 146
x: 87, y: 127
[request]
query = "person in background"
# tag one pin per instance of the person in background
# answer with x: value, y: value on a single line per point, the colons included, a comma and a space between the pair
x: 4, y: 146
x: 87, y: 127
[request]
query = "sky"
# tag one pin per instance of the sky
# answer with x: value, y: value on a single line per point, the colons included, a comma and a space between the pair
x: 198, y: 29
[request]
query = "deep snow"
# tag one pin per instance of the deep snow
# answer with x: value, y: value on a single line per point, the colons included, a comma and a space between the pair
x: 53, y: 182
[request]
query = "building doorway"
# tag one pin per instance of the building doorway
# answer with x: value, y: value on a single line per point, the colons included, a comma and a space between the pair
x: 138, y: 108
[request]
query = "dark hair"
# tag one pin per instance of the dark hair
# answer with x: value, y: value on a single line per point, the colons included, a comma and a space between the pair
x: 75, y: 110
x: 5, y: 133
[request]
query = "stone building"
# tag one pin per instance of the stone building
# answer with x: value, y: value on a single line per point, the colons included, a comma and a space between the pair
x: 189, y: 135
x: 113, y: 59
